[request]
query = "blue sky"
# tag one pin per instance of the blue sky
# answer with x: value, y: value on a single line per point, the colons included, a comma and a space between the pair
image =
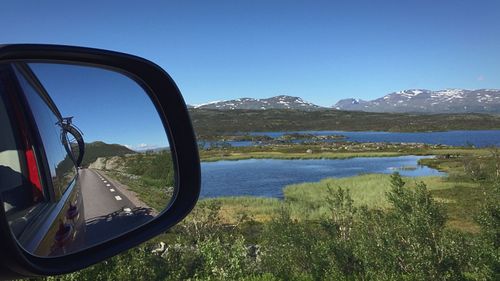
x: 322, y: 51
x: 105, y: 105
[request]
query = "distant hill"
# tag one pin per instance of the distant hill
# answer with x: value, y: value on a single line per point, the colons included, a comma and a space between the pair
x: 212, y: 122
x: 278, y: 102
x: 406, y: 101
x: 97, y: 149
x: 427, y: 101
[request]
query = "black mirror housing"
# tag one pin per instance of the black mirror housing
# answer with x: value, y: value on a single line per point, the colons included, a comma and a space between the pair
x: 15, y: 262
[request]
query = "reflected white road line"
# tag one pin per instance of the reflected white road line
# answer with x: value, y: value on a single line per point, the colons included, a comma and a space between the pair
x: 112, y: 190
x: 118, y: 198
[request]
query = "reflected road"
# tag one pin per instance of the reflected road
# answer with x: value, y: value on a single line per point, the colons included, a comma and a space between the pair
x: 107, y: 211
x: 100, y: 196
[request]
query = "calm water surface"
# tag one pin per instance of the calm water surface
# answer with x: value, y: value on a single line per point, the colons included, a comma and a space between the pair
x: 267, y: 177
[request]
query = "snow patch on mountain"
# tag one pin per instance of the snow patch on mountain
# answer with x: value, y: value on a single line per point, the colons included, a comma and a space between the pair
x: 427, y: 101
x: 277, y: 102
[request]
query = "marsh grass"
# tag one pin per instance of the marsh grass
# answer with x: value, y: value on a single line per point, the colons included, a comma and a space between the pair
x: 256, y: 208
x: 308, y: 201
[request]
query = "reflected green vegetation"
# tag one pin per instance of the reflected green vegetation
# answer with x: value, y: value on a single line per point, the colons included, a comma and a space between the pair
x: 149, y: 175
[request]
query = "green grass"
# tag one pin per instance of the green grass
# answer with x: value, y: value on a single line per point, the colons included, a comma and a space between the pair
x: 256, y: 208
x: 463, y: 204
x: 307, y: 201
x: 365, y: 189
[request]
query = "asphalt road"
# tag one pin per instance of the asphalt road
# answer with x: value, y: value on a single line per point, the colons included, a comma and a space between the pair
x: 108, y: 213
x: 100, y: 197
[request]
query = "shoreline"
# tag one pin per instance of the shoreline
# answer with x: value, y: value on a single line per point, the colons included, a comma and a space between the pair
x: 300, y: 156
x: 235, y: 155
x: 258, y: 133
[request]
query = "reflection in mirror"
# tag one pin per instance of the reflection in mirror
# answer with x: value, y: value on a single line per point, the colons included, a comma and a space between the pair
x: 85, y: 157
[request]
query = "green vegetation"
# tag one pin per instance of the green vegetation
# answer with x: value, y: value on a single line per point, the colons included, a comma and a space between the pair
x: 307, y: 201
x: 219, y: 122
x: 407, y: 240
x: 156, y: 169
x: 368, y: 190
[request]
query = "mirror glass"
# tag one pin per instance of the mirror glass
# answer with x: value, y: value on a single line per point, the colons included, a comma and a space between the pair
x: 84, y: 157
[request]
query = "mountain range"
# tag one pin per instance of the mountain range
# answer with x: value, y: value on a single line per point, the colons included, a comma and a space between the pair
x: 427, y: 101
x: 277, y: 102
x: 406, y: 101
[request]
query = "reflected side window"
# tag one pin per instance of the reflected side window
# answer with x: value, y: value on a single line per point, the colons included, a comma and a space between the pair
x: 21, y: 189
x: 61, y: 167
x: 19, y: 193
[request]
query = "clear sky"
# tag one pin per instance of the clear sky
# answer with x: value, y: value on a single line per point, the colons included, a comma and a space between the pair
x: 322, y: 51
x: 105, y: 105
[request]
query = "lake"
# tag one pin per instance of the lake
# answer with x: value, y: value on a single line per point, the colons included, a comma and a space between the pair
x: 454, y: 138
x: 267, y: 177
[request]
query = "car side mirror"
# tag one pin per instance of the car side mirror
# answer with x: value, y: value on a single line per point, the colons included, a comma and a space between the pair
x: 97, y: 155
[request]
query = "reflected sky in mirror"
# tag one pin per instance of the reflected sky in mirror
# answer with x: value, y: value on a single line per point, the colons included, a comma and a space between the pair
x: 106, y: 105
